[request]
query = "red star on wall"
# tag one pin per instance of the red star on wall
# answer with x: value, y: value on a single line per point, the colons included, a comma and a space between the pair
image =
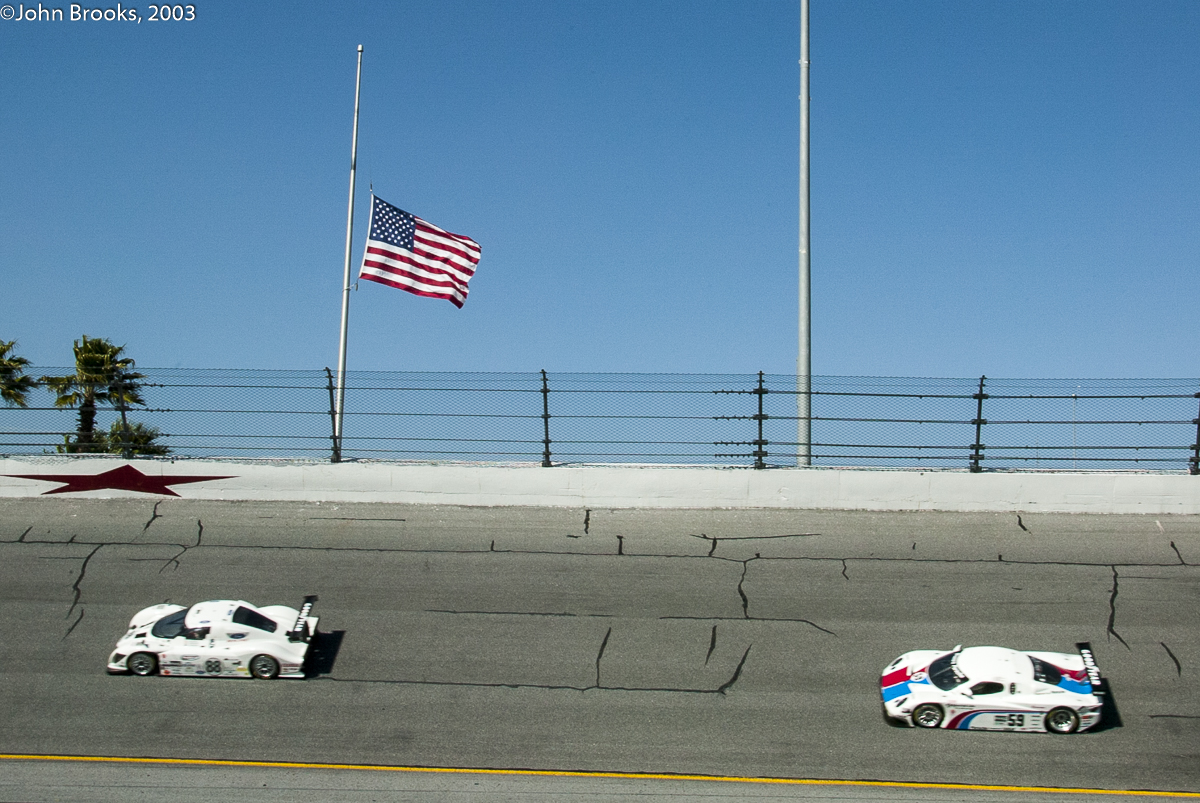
x: 125, y: 478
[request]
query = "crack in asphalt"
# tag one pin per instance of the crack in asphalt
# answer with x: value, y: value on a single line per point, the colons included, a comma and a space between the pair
x: 752, y: 537
x: 742, y: 593
x: 78, y: 580
x: 737, y: 673
x: 600, y: 655
x: 712, y: 645
x: 1112, y: 610
x: 751, y: 619
x: 721, y: 690
x: 1182, y: 562
x: 1021, y: 524
x: 523, y: 613
x: 844, y: 568
x: 28, y: 530
x: 154, y: 515
x: 587, y: 519
x: 71, y: 629
x: 1173, y: 716
x: 620, y: 545
x: 341, y: 518
x: 716, y: 540
x: 1178, y: 668
x: 183, y: 548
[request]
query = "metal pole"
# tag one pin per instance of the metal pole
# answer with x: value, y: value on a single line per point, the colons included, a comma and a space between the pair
x: 337, y: 455
x: 546, y: 421
x: 759, y: 451
x: 341, y: 383
x: 1194, y: 463
x: 977, y: 447
x: 804, y: 360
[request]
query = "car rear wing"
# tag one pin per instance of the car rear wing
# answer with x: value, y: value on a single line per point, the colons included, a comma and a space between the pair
x: 1090, y: 666
x: 300, y: 631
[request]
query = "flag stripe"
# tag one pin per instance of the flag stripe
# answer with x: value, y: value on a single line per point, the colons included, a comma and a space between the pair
x: 466, y: 245
x: 438, y: 254
x: 432, y: 268
x: 437, y: 280
x: 442, y: 254
x: 417, y: 281
x: 455, y: 300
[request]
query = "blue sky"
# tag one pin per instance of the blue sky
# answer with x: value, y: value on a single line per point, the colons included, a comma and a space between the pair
x: 1003, y: 188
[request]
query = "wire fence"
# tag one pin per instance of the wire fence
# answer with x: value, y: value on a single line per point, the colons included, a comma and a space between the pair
x: 551, y: 419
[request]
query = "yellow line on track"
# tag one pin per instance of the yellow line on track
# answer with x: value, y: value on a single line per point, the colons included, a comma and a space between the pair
x: 204, y: 762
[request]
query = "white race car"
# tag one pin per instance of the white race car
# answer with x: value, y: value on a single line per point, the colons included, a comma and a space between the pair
x: 993, y: 688
x: 219, y: 638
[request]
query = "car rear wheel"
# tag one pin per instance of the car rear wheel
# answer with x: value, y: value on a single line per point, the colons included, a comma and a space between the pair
x: 142, y: 663
x: 1062, y: 720
x: 264, y: 667
x: 928, y: 715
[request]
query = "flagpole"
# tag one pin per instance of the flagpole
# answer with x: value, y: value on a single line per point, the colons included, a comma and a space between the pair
x: 341, y: 380
x: 804, y: 358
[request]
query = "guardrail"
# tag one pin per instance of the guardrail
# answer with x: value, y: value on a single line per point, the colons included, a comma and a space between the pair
x: 747, y: 420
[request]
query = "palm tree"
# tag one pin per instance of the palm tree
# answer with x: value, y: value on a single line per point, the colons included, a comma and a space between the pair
x: 14, y: 384
x: 102, y: 376
x: 127, y: 439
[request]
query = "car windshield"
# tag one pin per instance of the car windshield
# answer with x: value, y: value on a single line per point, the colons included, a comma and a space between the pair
x: 1044, y: 672
x: 170, y: 625
x: 944, y: 673
x: 245, y: 616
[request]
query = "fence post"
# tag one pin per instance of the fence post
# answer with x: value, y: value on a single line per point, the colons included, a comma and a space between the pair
x: 337, y: 452
x: 126, y: 451
x: 545, y: 421
x: 978, y: 421
x: 1194, y: 463
x: 759, y: 443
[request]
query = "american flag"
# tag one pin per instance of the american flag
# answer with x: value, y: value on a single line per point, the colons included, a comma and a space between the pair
x: 409, y: 253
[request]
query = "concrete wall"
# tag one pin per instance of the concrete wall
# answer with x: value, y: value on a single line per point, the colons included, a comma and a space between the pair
x: 607, y: 486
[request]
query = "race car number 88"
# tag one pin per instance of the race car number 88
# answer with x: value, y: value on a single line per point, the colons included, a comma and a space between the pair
x: 1011, y: 720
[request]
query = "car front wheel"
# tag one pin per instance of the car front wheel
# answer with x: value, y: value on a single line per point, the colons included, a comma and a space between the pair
x: 928, y: 715
x: 264, y: 667
x: 142, y: 663
x: 1062, y: 720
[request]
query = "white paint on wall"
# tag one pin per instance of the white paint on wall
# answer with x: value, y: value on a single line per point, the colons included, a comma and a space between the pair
x: 632, y: 486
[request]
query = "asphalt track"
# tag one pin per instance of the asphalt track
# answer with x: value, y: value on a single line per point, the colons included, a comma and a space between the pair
x: 714, y: 643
